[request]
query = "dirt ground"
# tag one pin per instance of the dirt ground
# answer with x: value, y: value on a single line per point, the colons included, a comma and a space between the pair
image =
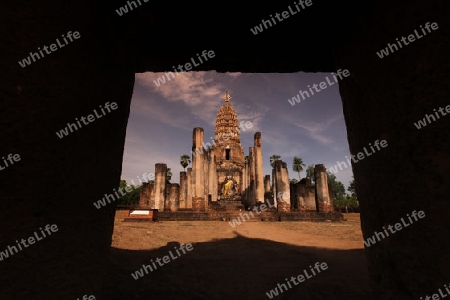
x: 243, y: 262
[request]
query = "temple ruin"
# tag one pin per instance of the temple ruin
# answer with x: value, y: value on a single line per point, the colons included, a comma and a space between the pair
x: 222, y: 178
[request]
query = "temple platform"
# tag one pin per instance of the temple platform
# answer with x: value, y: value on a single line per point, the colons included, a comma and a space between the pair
x: 247, y: 216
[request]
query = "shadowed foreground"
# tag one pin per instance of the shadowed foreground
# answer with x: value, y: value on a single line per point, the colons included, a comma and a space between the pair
x: 239, y: 263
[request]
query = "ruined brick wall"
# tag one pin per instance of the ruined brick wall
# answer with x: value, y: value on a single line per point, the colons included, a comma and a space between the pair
x: 305, y: 195
x: 199, y: 204
x: 283, y: 206
x: 174, y: 197
x: 145, y: 197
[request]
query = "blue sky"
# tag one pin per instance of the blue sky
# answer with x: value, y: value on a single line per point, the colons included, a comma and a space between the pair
x: 162, y: 119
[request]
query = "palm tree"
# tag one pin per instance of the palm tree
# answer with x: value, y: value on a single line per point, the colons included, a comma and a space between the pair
x: 297, y: 165
x: 273, y: 159
x: 185, y: 160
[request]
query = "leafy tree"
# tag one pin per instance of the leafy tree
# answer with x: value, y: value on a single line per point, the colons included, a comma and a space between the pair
x: 345, y: 202
x: 340, y: 202
x: 246, y: 159
x: 351, y: 188
x: 336, y: 187
x: 353, y: 201
x: 293, y: 181
x: 185, y: 160
x: 273, y: 159
x: 310, y: 173
x: 297, y: 165
x: 132, y: 194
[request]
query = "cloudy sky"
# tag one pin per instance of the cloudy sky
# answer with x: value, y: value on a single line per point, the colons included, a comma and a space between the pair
x: 162, y: 119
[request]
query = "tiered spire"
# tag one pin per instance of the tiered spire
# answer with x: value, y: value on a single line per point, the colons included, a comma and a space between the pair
x: 227, y: 122
x: 226, y: 135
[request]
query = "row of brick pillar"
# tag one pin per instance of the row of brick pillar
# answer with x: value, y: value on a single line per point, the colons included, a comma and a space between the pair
x: 199, y: 183
x: 282, y: 192
x: 160, y: 195
x: 171, y: 197
x: 196, y: 185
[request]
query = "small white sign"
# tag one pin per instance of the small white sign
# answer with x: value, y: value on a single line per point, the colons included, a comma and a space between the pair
x: 140, y: 212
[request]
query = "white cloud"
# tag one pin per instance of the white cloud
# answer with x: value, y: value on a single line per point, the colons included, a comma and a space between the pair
x: 316, y: 131
x: 199, y: 93
x: 188, y: 87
